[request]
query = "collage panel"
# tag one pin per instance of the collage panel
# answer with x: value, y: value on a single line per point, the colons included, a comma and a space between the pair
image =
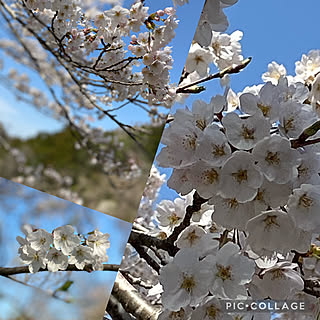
x: 228, y: 226
x: 85, y: 89
x: 58, y: 260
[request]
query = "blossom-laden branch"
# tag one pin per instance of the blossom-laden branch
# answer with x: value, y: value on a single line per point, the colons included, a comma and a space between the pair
x: 220, y: 74
x: 9, y: 271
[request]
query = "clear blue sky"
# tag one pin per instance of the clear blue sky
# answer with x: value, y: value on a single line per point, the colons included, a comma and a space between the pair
x: 15, y: 209
x: 22, y: 120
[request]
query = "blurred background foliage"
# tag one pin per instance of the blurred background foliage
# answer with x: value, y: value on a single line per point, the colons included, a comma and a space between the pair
x: 116, y: 193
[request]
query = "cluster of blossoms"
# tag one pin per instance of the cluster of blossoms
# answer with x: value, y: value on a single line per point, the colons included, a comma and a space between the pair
x: 78, y: 37
x: 253, y: 158
x: 56, y: 250
x: 88, y: 60
x: 146, y: 214
x: 211, y: 46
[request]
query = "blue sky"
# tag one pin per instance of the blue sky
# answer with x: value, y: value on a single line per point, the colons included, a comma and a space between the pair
x: 15, y: 209
x: 22, y: 120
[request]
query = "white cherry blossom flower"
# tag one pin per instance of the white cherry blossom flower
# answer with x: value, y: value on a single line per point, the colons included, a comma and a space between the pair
x: 240, y: 178
x: 275, y: 71
x: 198, y: 60
x: 182, y: 314
x: 170, y: 214
x: 184, y: 280
x: 190, y: 237
x: 308, y: 66
x: 56, y: 260
x: 265, y: 103
x: 270, y: 231
x: 181, y: 180
x: 210, y: 309
x: 245, y: 133
x: 99, y: 242
x: 276, y: 159
x: 281, y: 281
x: 308, y: 169
x: 34, y: 259
x: 213, y: 147
x: 64, y: 238
x: 272, y: 195
x: 230, y: 213
x: 81, y: 256
x: 40, y: 239
x: 304, y: 207
x: 294, y: 118
x: 231, y: 271
x: 205, y: 179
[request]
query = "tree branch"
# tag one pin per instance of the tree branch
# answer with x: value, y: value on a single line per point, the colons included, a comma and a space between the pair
x: 5, y: 272
x: 132, y: 301
x: 302, y: 141
x: 116, y: 310
x: 221, y: 74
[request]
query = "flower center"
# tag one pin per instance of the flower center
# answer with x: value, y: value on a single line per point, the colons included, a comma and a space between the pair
x: 211, y: 176
x: 288, y: 125
x: 224, y: 272
x: 176, y: 315
x: 270, y: 221
x: 201, y: 124
x: 305, y: 201
x: 213, y: 312
x: 272, y: 158
x: 192, y: 237
x: 216, y: 48
x: 265, y: 109
x: 259, y: 196
x: 198, y: 59
x: 302, y: 171
x: 232, y: 203
x: 218, y: 151
x: 278, y: 274
x: 248, y: 134
x: 188, y: 283
x: 240, y: 176
x: 189, y: 142
x: 173, y: 219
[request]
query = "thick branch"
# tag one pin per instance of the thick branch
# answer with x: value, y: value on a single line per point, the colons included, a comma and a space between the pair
x: 116, y: 311
x: 132, y: 301
x: 139, y: 238
x: 195, y: 207
x: 71, y: 267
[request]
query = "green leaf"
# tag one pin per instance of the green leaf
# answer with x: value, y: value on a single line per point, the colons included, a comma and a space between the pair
x: 65, y: 286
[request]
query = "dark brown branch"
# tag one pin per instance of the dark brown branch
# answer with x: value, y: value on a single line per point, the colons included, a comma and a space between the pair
x: 139, y: 238
x: 302, y: 141
x: 221, y: 74
x: 142, y: 251
x: 195, y: 207
x: 5, y: 272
